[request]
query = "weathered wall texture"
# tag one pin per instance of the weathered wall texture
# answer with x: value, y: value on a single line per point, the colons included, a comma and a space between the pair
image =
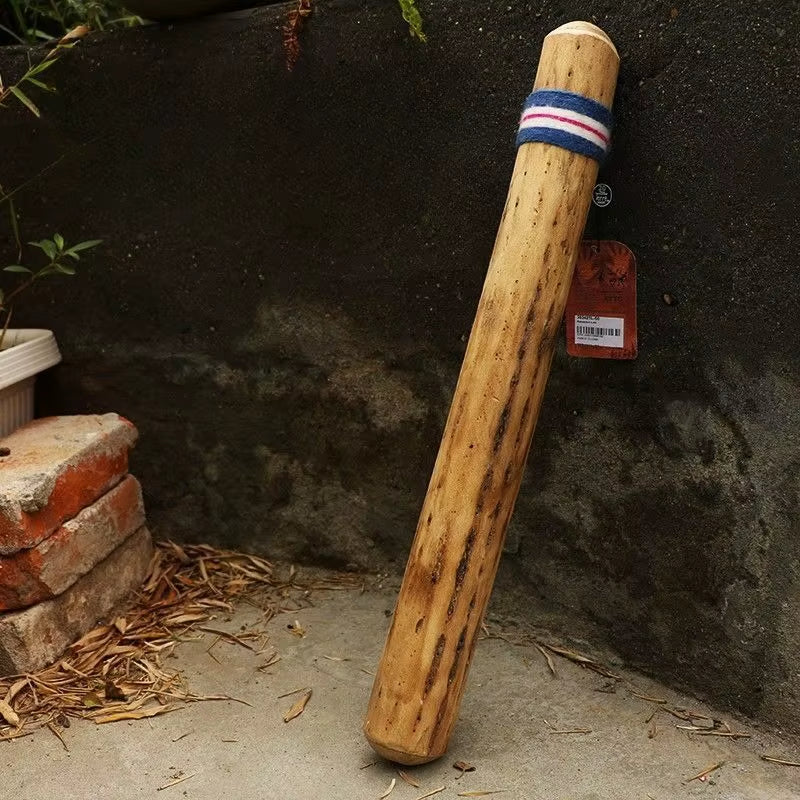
x: 292, y: 263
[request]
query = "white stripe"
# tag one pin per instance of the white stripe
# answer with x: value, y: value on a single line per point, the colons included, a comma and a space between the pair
x: 566, y: 127
x: 567, y: 114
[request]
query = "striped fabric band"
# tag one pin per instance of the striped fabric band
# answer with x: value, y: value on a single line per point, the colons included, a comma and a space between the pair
x: 567, y: 120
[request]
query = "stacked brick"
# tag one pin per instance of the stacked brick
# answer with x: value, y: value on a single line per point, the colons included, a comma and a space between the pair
x: 73, y: 540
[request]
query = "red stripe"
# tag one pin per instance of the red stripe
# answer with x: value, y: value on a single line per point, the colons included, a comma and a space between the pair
x: 583, y: 125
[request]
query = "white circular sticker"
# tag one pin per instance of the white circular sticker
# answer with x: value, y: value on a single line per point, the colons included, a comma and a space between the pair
x: 601, y: 196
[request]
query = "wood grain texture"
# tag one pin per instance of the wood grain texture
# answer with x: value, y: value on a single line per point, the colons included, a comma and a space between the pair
x: 471, y: 495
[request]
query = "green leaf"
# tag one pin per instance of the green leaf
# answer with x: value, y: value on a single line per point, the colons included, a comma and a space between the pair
x: 59, y: 240
x: 17, y: 268
x: 47, y: 246
x: 83, y: 246
x: 41, y: 84
x: 25, y: 100
x: 65, y: 269
x: 40, y: 67
x: 414, y: 19
x: 12, y: 213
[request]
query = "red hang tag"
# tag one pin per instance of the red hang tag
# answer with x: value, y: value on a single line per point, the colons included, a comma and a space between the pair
x: 601, y: 307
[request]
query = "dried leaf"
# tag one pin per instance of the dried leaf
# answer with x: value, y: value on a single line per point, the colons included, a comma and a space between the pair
x: 78, y: 32
x: 175, y: 782
x: 92, y: 700
x: 389, y: 790
x: 294, y: 691
x: 775, y: 760
x: 230, y: 637
x: 90, y: 638
x: 408, y: 779
x: 297, y: 709
x: 8, y: 714
x: 16, y: 735
x: 185, y: 586
x: 143, y: 714
x: 570, y: 731
x: 649, y: 699
x: 703, y: 773
x: 58, y: 735
x: 183, y: 619
x: 550, y: 665
x: 180, y: 553
x: 464, y: 766
x: 584, y: 661
x: 271, y: 663
x: 15, y: 689
x: 113, y: 692
x: 431, y: 793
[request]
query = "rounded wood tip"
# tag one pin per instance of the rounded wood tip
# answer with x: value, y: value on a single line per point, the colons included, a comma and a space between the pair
x: 403, y: 757
x: 580, y: 28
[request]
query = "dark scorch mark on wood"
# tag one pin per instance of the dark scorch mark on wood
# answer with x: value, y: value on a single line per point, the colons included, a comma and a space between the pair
x: 500, y: 431
x: 437, y: 567
x: 522, y: 420
x: 461, y: 571
x: 457, y: 657
x: 492, y: 528
x: 548, y: 339
x: 439, y: 720
x: 437, y: 660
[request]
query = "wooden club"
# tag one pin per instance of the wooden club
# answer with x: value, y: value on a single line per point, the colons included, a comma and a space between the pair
x: 459, y: 539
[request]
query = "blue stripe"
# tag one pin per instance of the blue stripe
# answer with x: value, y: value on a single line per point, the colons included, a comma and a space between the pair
x: 571, y: 102
x: 569, y: 141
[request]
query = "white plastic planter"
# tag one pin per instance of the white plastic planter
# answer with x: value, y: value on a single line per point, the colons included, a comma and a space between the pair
x: 24, y: 354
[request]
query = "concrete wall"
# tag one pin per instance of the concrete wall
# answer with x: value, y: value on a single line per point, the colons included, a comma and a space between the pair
x: 292, y: 263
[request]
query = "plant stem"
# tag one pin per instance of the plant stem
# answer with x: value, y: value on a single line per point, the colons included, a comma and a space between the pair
x: 6, y: 323
x: 9, y: 195
x: 21, y: 288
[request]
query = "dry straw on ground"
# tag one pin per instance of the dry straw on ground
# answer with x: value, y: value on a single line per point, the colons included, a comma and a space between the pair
x: 117, y: 672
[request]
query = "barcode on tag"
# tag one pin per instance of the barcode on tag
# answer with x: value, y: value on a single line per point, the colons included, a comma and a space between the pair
x: 599, y: 331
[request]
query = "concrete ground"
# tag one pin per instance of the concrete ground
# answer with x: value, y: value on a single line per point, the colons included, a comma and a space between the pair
x: 512, y: 706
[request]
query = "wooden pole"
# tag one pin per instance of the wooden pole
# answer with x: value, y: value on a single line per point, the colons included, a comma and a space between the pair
x: 459, y: 539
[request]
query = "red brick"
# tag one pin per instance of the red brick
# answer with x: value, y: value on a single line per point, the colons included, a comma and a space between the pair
x: 56, y: 468
x: 36, y: 637
x: 53, y: 565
